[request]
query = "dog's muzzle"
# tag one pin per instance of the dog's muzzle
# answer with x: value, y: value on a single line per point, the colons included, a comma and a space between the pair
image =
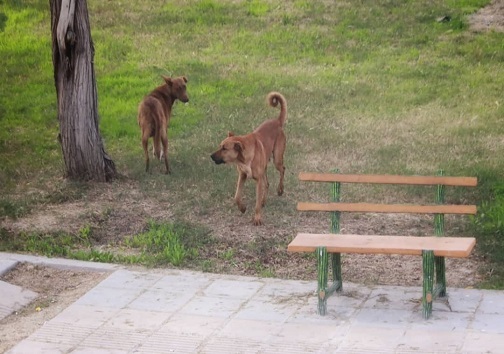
x: 217, y: 159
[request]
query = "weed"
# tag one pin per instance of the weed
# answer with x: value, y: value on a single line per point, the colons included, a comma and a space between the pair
x: 228, y: 254
x: 13, y: 209
x: 167, y: 243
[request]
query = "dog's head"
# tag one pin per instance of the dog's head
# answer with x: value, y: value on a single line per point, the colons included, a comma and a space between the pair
x: 230, y: 150
x: 177, y: 87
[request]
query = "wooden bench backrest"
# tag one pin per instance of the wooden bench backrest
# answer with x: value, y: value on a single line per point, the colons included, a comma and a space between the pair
x: 389, y: 179
x: 389, y: 208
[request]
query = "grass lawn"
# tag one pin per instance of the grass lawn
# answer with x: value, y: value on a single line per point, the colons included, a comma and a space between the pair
x: 372, y: 87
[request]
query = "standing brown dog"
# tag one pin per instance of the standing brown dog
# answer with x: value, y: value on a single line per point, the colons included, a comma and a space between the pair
x: 154, y: 114
x: 252, y: 152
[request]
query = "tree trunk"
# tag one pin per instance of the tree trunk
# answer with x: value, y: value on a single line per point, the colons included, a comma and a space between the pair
x: 73, y: 52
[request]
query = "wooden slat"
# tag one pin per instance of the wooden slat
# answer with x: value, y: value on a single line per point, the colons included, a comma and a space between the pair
x: 388, y: 208
x: 408, y: 245
x: 389, y: 179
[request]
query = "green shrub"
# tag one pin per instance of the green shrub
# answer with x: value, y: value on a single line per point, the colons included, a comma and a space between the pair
x: 489, y: 228
x: 490, y: 225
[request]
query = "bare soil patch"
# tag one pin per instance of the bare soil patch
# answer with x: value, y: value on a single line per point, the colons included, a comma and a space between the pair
x: 489, y: 18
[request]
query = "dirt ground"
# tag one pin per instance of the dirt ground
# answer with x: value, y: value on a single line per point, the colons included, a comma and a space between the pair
x: 59, y: 288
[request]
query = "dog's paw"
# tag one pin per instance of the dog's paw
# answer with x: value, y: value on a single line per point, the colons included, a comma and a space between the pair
x: 242, y: 208
x: 257, y: 221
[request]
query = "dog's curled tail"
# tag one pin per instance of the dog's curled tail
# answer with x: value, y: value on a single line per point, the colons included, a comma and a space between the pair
x: 274, y: 98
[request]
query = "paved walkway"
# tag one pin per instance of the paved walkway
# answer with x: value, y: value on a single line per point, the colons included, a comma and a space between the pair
x: 175, y: 311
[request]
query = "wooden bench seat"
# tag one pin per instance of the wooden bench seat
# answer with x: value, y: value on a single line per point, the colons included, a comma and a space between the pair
x: 457, y: 247
x: 433, y: 249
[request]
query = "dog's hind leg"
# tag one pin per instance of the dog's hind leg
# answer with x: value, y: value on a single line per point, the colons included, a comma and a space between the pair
x: 242, y: 177
x: 278, y: 152
x: 145, y: 145
x: 258, y: 206
x: 265, y: 188
x: 164, y: 153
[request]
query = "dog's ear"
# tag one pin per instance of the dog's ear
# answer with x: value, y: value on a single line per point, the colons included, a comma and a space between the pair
x: 238, y: 146
x: 168, y: 80
x: 230, y: 134
x: 184, y: 78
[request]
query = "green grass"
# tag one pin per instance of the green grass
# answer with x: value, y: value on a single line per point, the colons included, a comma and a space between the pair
x: 162, y: 244
x: 168, y: 244
x: 372, y: 87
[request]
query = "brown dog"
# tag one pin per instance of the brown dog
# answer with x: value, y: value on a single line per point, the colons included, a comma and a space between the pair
x: 252, y: 152
x: 154, y: 114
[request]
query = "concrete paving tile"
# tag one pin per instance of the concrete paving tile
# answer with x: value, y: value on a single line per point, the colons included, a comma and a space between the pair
x: 14, y: 298
x: 88, y: 316
x: 442, y: 321
x: 6, y: 265
x: 29, y: 346
x: 141, y: 321
x: 220, y: 345
x: 382, y: 318
x: 394, y: 298
x: 165, y: 342
x: 369, y: 338
x: 98, y: 351
x: 114, y: 338
x: 292, y: 347
x: 349, y: 297
x: 464, y: 300
x: 250, y: 329
x: 308, y: 313
x: 286, y: 289
x: 311, y: 333
x: 162, y: 301
x: 231, y: 288
x: 61, y: 333
x: 123, y: 279
x: 441, y: 304
x: 212, y: 306
x: 267, y: 311
x: 109, y: 297
x: 422, y: 340
x: 490, y: 323
x: 193, y: 325
x: 182, y: 281
x: 491, y: 303
x: 478, y: 343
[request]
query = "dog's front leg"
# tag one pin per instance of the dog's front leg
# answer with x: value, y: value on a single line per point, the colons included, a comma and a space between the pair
x: 259, y: 200
x: 242, y: 177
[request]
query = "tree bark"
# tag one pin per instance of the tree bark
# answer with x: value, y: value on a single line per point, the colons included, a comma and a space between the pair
x: 72, y: 53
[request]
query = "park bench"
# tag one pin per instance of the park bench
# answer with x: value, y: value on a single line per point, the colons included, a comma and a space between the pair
x: 433, y: 249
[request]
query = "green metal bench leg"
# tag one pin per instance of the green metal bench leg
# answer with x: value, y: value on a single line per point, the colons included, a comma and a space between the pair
x: 440, y: 276
x: 336, y: 269
x: 322, y: 265
x: 439, y: 219
x: 428, y: 282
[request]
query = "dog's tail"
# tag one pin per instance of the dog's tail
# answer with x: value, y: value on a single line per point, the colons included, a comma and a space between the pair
x: 274, y: 98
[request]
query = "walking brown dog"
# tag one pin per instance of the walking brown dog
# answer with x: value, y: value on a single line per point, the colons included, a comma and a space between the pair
x: 154, y: 114
x: 252, y: 152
